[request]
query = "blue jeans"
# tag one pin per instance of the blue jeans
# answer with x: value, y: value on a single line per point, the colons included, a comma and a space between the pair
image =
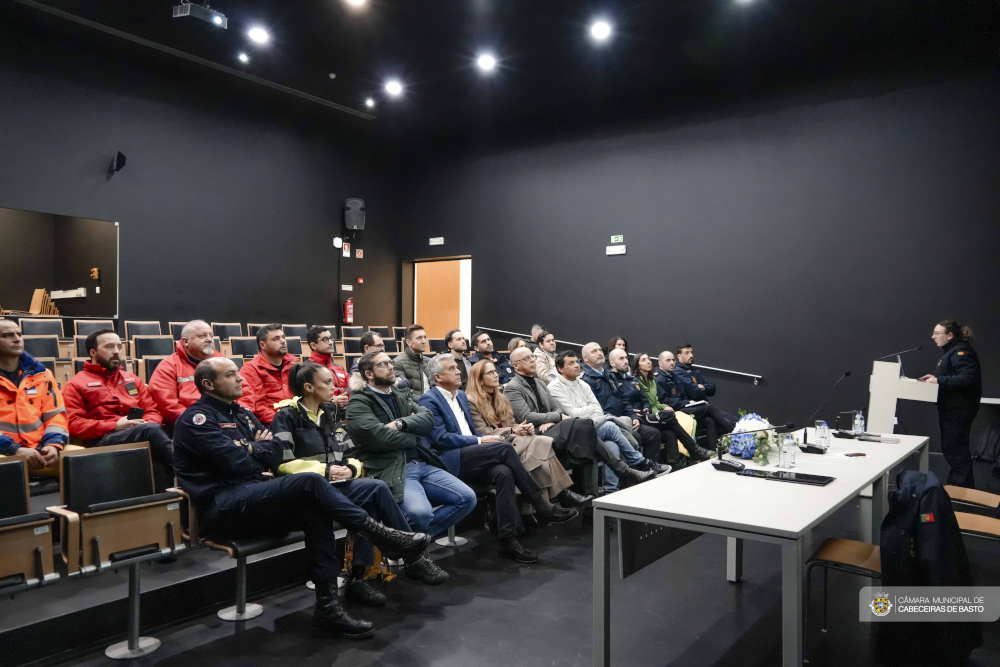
x: 434, y: 499
x: 621, y: 447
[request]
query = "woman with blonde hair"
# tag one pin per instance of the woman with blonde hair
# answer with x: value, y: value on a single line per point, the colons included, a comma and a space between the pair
x: 492, y: 415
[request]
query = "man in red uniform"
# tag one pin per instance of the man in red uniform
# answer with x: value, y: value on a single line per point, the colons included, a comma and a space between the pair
x: 172, y: 383
x: 266, y: 375
x: 321, y: 343
x: 100, y: 397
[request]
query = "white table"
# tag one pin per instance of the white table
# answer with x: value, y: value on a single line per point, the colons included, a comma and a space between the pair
x: 703, y: 499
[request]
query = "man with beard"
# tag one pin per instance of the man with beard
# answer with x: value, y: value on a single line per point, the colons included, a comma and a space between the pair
x: 266, y: 375
x: 172, y: 383
x: 100, y: 397
x: 483, y: 346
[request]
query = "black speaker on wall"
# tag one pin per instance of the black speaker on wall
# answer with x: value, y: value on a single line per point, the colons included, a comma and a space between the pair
x: 354, y: 213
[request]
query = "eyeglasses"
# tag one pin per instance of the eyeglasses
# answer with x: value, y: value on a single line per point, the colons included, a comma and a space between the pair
x: 382, y: 364
x: 492, y: 372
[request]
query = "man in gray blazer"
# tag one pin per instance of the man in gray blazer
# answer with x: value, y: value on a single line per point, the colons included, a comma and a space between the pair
x: 574, y: 441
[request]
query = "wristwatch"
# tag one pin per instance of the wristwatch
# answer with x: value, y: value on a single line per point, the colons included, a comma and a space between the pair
x: 400, y: 425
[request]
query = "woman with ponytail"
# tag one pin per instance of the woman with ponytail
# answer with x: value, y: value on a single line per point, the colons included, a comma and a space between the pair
x: 961, y: 388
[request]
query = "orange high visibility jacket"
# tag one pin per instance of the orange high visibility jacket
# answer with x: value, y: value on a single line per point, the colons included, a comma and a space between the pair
x: 32, y: 414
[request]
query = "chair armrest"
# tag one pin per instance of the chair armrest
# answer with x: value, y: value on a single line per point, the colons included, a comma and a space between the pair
x: 192, y: 527
x: 70, y: 537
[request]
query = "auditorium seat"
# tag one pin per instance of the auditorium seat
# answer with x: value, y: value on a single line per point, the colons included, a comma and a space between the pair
x: 978, y: 525
x: 152, y: 345
x: 25, y: 538
x: 294, y: 345
x: 42, y: 346
x: 352, y: 332
x: 398, y: 333
x: 225, y: 331
x: 80, y: 347
x: 390, y: 345
x: 111, y: 517
x: 352, y: 345
x: 298, y: 330
x: 87, y: 327
x: 135, y: 328
x: 42, y: 327
x: 48, y: 362
x: 148, y: 364
x: 252, y: 329
x: 175, y: 329
x: 381, y: 331
x: 349, y: 360
x: 243, y: 346
x: 972, y: 497
x: 437, y: 345
x: 237, y: 360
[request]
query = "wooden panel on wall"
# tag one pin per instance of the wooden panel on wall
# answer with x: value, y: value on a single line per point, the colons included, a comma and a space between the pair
x: 437, y: 296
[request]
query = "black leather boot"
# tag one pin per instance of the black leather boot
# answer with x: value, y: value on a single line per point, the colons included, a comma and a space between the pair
x: 569, y: 498
x: 362, y: 591
x: 698, y: 453
x: 550, y: 513
x: 425, y: 570
x: 632, y: 477
x: 394, y: 544
x: 331, y: 619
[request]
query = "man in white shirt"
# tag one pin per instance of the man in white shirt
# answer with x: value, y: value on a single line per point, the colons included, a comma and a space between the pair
x: 482, y: 460
x: 577, y: 400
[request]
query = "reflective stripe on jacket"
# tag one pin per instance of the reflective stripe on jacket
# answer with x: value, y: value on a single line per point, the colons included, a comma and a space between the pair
x: 32, y: 414
x: 172, y: 385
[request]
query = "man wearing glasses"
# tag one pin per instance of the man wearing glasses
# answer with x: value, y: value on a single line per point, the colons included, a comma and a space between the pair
x: 321, y: 343
x: 372, y: 341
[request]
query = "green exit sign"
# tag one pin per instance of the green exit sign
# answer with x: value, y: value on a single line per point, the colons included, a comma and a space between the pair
x: 620, y: 238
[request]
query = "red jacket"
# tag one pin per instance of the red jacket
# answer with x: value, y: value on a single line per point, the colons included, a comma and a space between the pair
x: 96, y: 400
x: 340, y: 376
x: 172, y: 384
x: 268, y: 385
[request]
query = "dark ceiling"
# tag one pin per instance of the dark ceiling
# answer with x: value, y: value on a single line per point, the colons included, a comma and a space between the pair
x: 665, y: 55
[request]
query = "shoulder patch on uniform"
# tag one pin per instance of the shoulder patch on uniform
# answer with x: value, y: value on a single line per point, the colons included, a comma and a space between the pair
x: 961, y: 352
x: 198, y: 419
x: 926, y: 518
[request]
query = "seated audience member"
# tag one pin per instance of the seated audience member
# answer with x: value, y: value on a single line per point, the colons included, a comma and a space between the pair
x: 386, y: 426
x: 644, y: 374
x: 515, y: 343
x: 310, y: 425
x: 576, y: 399
x: 575, y: 440
x: 321, y: 343
x: 483, y: 346
x: 266, y: 375
x: 615, y: 343
x: 457, y: 345
x: 100, y: 397
x: 545, y: 357
x: 372, y: 341
x: 220, y: 454
x: 33, y: 420
x: 664, y: 421
x: 492, y: 415
x: 535, y: 330
x: 172, y: 383
x: 669, y: 390
x: 411, y: 362
x: 482, y: 460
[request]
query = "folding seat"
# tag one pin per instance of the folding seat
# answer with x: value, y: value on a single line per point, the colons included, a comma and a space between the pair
x: 352, y: 332
x: 437, y: 345
x: 144, y: 328
x: 398, y: 333
x: 225, y: 331
x: 352, y: 345
x: 25, y: 538
x: 42, y: 346
x: 237, y: 360
x: 153, y: 345
x: 175, y: 329
x: 349, y: 360
x: 149, y: 364
x: 295, y: 330
x: 243, y: 346
x: 87, y: 327
x: 381, y: 331
x: 294, y: 345
x: 48, y: 326
x: 253, y: 328
x: 390, y: 346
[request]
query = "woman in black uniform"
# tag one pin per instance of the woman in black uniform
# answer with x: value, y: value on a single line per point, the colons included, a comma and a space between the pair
x: 961, y: 388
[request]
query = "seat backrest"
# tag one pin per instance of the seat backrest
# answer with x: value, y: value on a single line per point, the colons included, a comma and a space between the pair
x: 226, y: 330
x: 48, y: 362
x: 352, y: 345
x: 80, y: 343
x: 175, y: 329
x: 390, y: 345
x: 349, y: 360
x: 151, y: 362
x: 41, y: 327
x: 252, y: 329
x: 243, y: 346
x: 294, y: 344
x: 381, y: 331
x: 237, y: 360
x: 352, y: 332
x: 13, y: 487
x: 298, y: 330
x: 218, y: 343
x: 42, y: 346
x: 133, y: 329
x: 437, y: 345
x: 104, y: 474
x: 78, y: 363
x: 87, y: 327
x: 153, y: 345
x: 398, y: 332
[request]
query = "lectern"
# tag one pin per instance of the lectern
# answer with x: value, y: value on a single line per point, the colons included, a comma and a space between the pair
x: 887, y: 386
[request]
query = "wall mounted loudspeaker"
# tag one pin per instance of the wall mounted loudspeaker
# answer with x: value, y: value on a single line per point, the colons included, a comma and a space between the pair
x: 117, y: 163
x: 354, y: 213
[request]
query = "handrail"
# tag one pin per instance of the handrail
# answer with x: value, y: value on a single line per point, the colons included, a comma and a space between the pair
x: 756, y: 378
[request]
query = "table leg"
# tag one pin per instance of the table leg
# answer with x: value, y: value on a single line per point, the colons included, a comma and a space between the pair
x: 602, y: 590
x: 925, y: 457
x: 880, y: 504
x: 791, y: 603
x: 734, y: 559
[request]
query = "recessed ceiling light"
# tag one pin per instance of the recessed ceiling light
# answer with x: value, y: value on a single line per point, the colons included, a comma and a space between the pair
x: 217, y: 20
x: 243, y: 58
x: 258, y: 35
x: 743, y: 2
x: 332, y: 75
x: 394, y: 87
x: 356, y: 3
x: 486, y: 62
x: 600, y: 30
x: 370, y: 103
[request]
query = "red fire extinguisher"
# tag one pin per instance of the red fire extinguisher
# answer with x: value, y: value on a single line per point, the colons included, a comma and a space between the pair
x: 349, y: 311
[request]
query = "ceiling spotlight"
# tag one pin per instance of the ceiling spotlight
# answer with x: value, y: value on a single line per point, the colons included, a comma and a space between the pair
x: 600, y: 30
x: 203, y: 12
x: 259, y: 35
x: 356, y: 3
x: 370, y: 103
x: 394, y: 87
x: 243, y: 58
x: 217, y: 20
x: 486, y: 62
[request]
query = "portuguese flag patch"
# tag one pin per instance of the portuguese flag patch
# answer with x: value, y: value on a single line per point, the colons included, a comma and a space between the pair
x: 926, y: 518
x: 961, y: 352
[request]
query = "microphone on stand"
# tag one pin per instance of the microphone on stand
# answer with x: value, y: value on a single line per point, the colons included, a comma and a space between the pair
x: 896, y: 354
x: 816, y: 411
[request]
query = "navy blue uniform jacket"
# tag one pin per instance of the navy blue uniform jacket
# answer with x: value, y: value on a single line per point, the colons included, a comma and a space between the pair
x: 669, y: 390
x: 690, y: 379
x: 504, y: 369
x: 607, y: 395
x: 446, y: 438
x: 211, y: 449
x: 958, y: 376
x: 631, y: 391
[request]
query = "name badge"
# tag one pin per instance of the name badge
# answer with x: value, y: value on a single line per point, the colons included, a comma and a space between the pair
x: 93, y: 384
x: 130, y: 388
x: 31, y: 391
x: 188, y: 379
x: 227, y: 425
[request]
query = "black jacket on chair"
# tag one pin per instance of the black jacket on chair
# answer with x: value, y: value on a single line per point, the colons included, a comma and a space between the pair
x: 922, y: 545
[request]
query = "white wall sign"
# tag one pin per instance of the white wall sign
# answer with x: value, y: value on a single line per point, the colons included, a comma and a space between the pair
x: 437, y: 240
x: 614, y: 250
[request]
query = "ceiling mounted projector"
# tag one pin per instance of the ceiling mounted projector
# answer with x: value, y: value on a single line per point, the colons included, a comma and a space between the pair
x: 203, y: 12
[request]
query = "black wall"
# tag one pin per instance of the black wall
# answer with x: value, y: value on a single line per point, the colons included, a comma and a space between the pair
x: 230, y: 197
x: 794, y: 244
x: 28, y: 242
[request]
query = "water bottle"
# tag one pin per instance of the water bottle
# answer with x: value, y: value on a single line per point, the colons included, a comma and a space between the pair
x: 791, y: 445
x: 823, y: 433
x: 859, y: 422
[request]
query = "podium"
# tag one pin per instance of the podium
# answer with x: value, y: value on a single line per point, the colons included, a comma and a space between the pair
x: 885, y: 388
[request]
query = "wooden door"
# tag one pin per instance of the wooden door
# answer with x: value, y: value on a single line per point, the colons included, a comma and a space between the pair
x: 437, y: 296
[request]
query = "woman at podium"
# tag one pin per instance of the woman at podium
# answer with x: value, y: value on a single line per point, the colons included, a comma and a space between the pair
x: 961, y: 389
